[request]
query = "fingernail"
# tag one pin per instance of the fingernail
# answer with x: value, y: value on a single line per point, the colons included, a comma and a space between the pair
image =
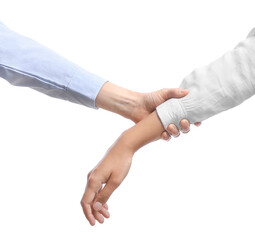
x: 186, y: 131
x: 184, y: 91
x: 177, y: 135
x: 185, y: 121
x: 97, y: 206
x: 168, y: 139
x: 181, y: 91
x: 172, y: 128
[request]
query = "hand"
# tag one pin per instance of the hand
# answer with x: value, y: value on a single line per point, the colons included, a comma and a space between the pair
x: 173, y: 130
x: 136, y: 106
x: 147, y: 102
x: 111, y: 171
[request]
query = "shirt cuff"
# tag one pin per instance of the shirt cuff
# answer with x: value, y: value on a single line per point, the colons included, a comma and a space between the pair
x: 84, y: 87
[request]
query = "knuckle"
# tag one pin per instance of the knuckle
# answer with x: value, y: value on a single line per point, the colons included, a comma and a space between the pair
x: 92, y: 178
x: 116, y: 181
x: 164, y: 91
x: 88, y: 175
x: 82, y: 203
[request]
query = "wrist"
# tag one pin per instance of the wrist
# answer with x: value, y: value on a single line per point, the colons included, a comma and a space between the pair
x: 118, y: 100
x: 127, y: 142
x: 142, y: 133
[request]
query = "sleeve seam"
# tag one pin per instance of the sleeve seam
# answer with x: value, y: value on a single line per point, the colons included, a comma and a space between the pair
x: 36, y: 76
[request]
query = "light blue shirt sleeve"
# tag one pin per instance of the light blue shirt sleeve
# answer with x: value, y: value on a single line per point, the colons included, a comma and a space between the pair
x: 25, y: 62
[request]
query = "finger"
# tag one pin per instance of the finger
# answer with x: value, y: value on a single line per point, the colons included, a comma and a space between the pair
x: 87, y: 210
x: 105, y: 193
x: 104, y: 205
x: 197, y: 124
x: 89, y: 175
x: 175, y: 92
x: 173, y: 130
x: 91, y: 189
x: 98, y: 216
x: 165, y: 136
x: 105, y: 212
x: 185, y: 126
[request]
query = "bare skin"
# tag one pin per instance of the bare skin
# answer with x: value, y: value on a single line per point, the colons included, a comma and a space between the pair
x: 114, y: 166
x: 136, y: 106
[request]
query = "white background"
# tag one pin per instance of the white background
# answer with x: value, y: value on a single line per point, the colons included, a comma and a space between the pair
x: 199, y: 186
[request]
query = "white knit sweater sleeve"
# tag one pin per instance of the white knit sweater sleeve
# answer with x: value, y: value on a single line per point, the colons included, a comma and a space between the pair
x: 216, y: 87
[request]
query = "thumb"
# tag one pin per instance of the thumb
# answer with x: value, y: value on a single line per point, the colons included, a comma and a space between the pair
x: 174, y: 93
x: 103, y: 196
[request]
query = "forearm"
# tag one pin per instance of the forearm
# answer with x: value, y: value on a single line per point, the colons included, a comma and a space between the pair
x: 216, y: 87
x: 117, y: 99
x: 144, y: 132
x: 25, y: 62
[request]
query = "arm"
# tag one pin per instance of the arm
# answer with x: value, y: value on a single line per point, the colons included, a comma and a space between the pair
x: 223, y: 84
x: 114, y: 166
x: 25, y: 62
x: 216, y: 87
x: 142, y: 133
